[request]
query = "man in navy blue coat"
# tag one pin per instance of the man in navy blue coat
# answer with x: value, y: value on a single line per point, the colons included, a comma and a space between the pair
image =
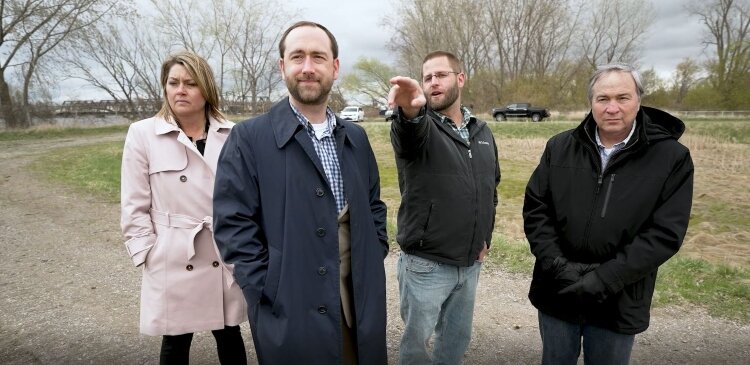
x: 297, y: 211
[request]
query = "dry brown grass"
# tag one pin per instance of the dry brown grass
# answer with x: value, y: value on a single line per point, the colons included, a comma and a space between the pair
x: 719, y: 230
x: 720, y: 222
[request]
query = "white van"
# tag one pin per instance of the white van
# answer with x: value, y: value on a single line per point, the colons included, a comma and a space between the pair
x: 354, y: 113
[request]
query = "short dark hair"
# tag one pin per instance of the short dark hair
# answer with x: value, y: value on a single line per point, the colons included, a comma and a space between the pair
x: 305, y: 23
x: 452, y: 59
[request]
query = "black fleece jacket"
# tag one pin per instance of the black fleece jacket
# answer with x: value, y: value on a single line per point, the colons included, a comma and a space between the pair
x: 629, y: 218
x: 448, y: 188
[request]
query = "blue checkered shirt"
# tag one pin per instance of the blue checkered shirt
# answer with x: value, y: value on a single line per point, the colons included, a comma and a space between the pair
x: 325, y: 147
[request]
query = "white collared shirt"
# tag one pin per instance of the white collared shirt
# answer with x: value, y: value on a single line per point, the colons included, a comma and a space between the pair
x: 604, y: 152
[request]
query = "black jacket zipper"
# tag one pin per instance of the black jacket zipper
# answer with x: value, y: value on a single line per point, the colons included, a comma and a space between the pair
x: 609, y: 192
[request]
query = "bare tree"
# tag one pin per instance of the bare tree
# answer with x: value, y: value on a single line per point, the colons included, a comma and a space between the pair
x: 532, y: 41
x: 225, y: 29
x: 728, y: 25
x: 30, y: 29
x: 122, y: 64
x: 255, y: 50
x: 418, y: 28
x: 614, y: 30
x: 184, y: 22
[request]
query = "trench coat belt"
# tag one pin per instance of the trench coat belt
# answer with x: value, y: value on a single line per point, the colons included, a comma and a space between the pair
x: 195, y: 225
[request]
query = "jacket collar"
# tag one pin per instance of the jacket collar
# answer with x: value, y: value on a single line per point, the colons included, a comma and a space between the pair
x: 651, y: 125
x: 285, y: 124
x: 478, y: 124
x: 162, y: 126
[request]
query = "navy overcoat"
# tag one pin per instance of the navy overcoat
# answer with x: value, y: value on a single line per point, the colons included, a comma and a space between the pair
x: 275, y: 219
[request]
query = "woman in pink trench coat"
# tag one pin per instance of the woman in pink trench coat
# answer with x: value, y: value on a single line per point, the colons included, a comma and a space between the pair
x: 168, y: 167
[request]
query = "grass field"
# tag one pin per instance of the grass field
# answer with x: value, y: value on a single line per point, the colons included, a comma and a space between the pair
x: 712, y: 269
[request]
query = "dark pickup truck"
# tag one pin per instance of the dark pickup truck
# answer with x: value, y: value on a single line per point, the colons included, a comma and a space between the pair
x: 520, y: 110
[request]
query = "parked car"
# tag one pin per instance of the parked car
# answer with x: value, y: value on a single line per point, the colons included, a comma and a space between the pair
x: 389, y: 115
x: 520, y: 110
x: 353, y: 113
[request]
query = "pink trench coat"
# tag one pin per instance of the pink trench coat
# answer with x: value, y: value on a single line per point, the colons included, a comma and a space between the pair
x: 167, y: 193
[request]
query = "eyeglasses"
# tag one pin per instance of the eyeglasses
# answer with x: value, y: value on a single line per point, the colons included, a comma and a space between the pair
x: 441, y: 75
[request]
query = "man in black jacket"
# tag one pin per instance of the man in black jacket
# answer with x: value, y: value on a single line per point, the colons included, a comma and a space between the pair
x: 447, y: 173
x: 607, y: 205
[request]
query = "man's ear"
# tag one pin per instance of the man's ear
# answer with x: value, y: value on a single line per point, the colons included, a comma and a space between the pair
x: 281, y: 69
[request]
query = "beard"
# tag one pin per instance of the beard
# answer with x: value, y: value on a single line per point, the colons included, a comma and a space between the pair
x: 316, y: 95
x: 449, y: 97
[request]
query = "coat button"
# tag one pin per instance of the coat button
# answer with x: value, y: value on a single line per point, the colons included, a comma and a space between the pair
x: 322, y: 309
x: 183, y: 178
x: 320, y: 232
x: 322, y: 270
x: 189, y: 268
x: 319, y: 192
x: 215, y: 264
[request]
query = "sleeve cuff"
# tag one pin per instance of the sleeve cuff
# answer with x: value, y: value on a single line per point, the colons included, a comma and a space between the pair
x: 139, y: 247
x: 609, y: 278
x: 415, y: 120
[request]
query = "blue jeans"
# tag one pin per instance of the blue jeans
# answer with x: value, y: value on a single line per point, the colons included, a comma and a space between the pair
x: 437, y: 298
x: 561, y: 343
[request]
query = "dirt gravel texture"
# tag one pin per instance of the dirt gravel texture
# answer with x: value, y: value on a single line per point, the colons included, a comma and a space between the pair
x: 69, y: 293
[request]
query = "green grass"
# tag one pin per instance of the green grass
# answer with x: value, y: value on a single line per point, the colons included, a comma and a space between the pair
x: 723, y: 216
x: 514, y: 177
x: 92, y: 169
x: 723, y: 291
x: 731, y: 131
x: 510, y: 255
x: 510, y: 130
x: 53, y: 132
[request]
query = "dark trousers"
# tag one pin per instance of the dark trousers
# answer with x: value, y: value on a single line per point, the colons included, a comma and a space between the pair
x: 175, y: 350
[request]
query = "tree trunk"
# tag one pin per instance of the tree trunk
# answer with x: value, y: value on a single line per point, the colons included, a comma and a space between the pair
x: 7, y: 108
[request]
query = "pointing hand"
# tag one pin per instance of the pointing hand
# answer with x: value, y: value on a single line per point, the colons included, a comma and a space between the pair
x: 407, y: 94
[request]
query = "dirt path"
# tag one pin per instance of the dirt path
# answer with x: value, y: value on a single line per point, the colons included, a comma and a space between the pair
x: 69, y: 294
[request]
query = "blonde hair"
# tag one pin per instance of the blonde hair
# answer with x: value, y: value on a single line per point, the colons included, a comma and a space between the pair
x: 201, y: 73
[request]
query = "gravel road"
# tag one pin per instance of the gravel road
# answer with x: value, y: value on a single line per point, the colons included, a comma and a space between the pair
x: 69, y: 293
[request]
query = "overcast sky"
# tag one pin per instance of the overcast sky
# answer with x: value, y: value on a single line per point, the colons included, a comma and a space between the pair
x: 673, y: 36
x: 356, y: 24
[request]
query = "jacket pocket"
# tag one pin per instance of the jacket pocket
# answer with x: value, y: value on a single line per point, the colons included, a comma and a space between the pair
x: 637, y: 289
x: 139, y: 247
x: 273, y: 275
x: 414, y: 220
x: 426, y: 224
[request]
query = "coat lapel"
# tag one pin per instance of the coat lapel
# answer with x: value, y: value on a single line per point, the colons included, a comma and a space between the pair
x: 286, y: 126
x: 217, y: 135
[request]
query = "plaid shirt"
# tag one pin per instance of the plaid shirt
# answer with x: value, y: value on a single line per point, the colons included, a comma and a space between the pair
x: 325, y: 147
x: 463, y: 130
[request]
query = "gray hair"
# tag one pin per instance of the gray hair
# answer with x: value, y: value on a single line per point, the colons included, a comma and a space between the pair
x: 615, y: 67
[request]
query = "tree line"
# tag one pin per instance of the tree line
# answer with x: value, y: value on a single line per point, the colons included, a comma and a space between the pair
x: 544, y: 51
x: 541, y: 51
x: 117, y: 47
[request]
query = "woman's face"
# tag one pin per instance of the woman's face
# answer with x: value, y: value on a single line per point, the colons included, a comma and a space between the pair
x: 183, y: 94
